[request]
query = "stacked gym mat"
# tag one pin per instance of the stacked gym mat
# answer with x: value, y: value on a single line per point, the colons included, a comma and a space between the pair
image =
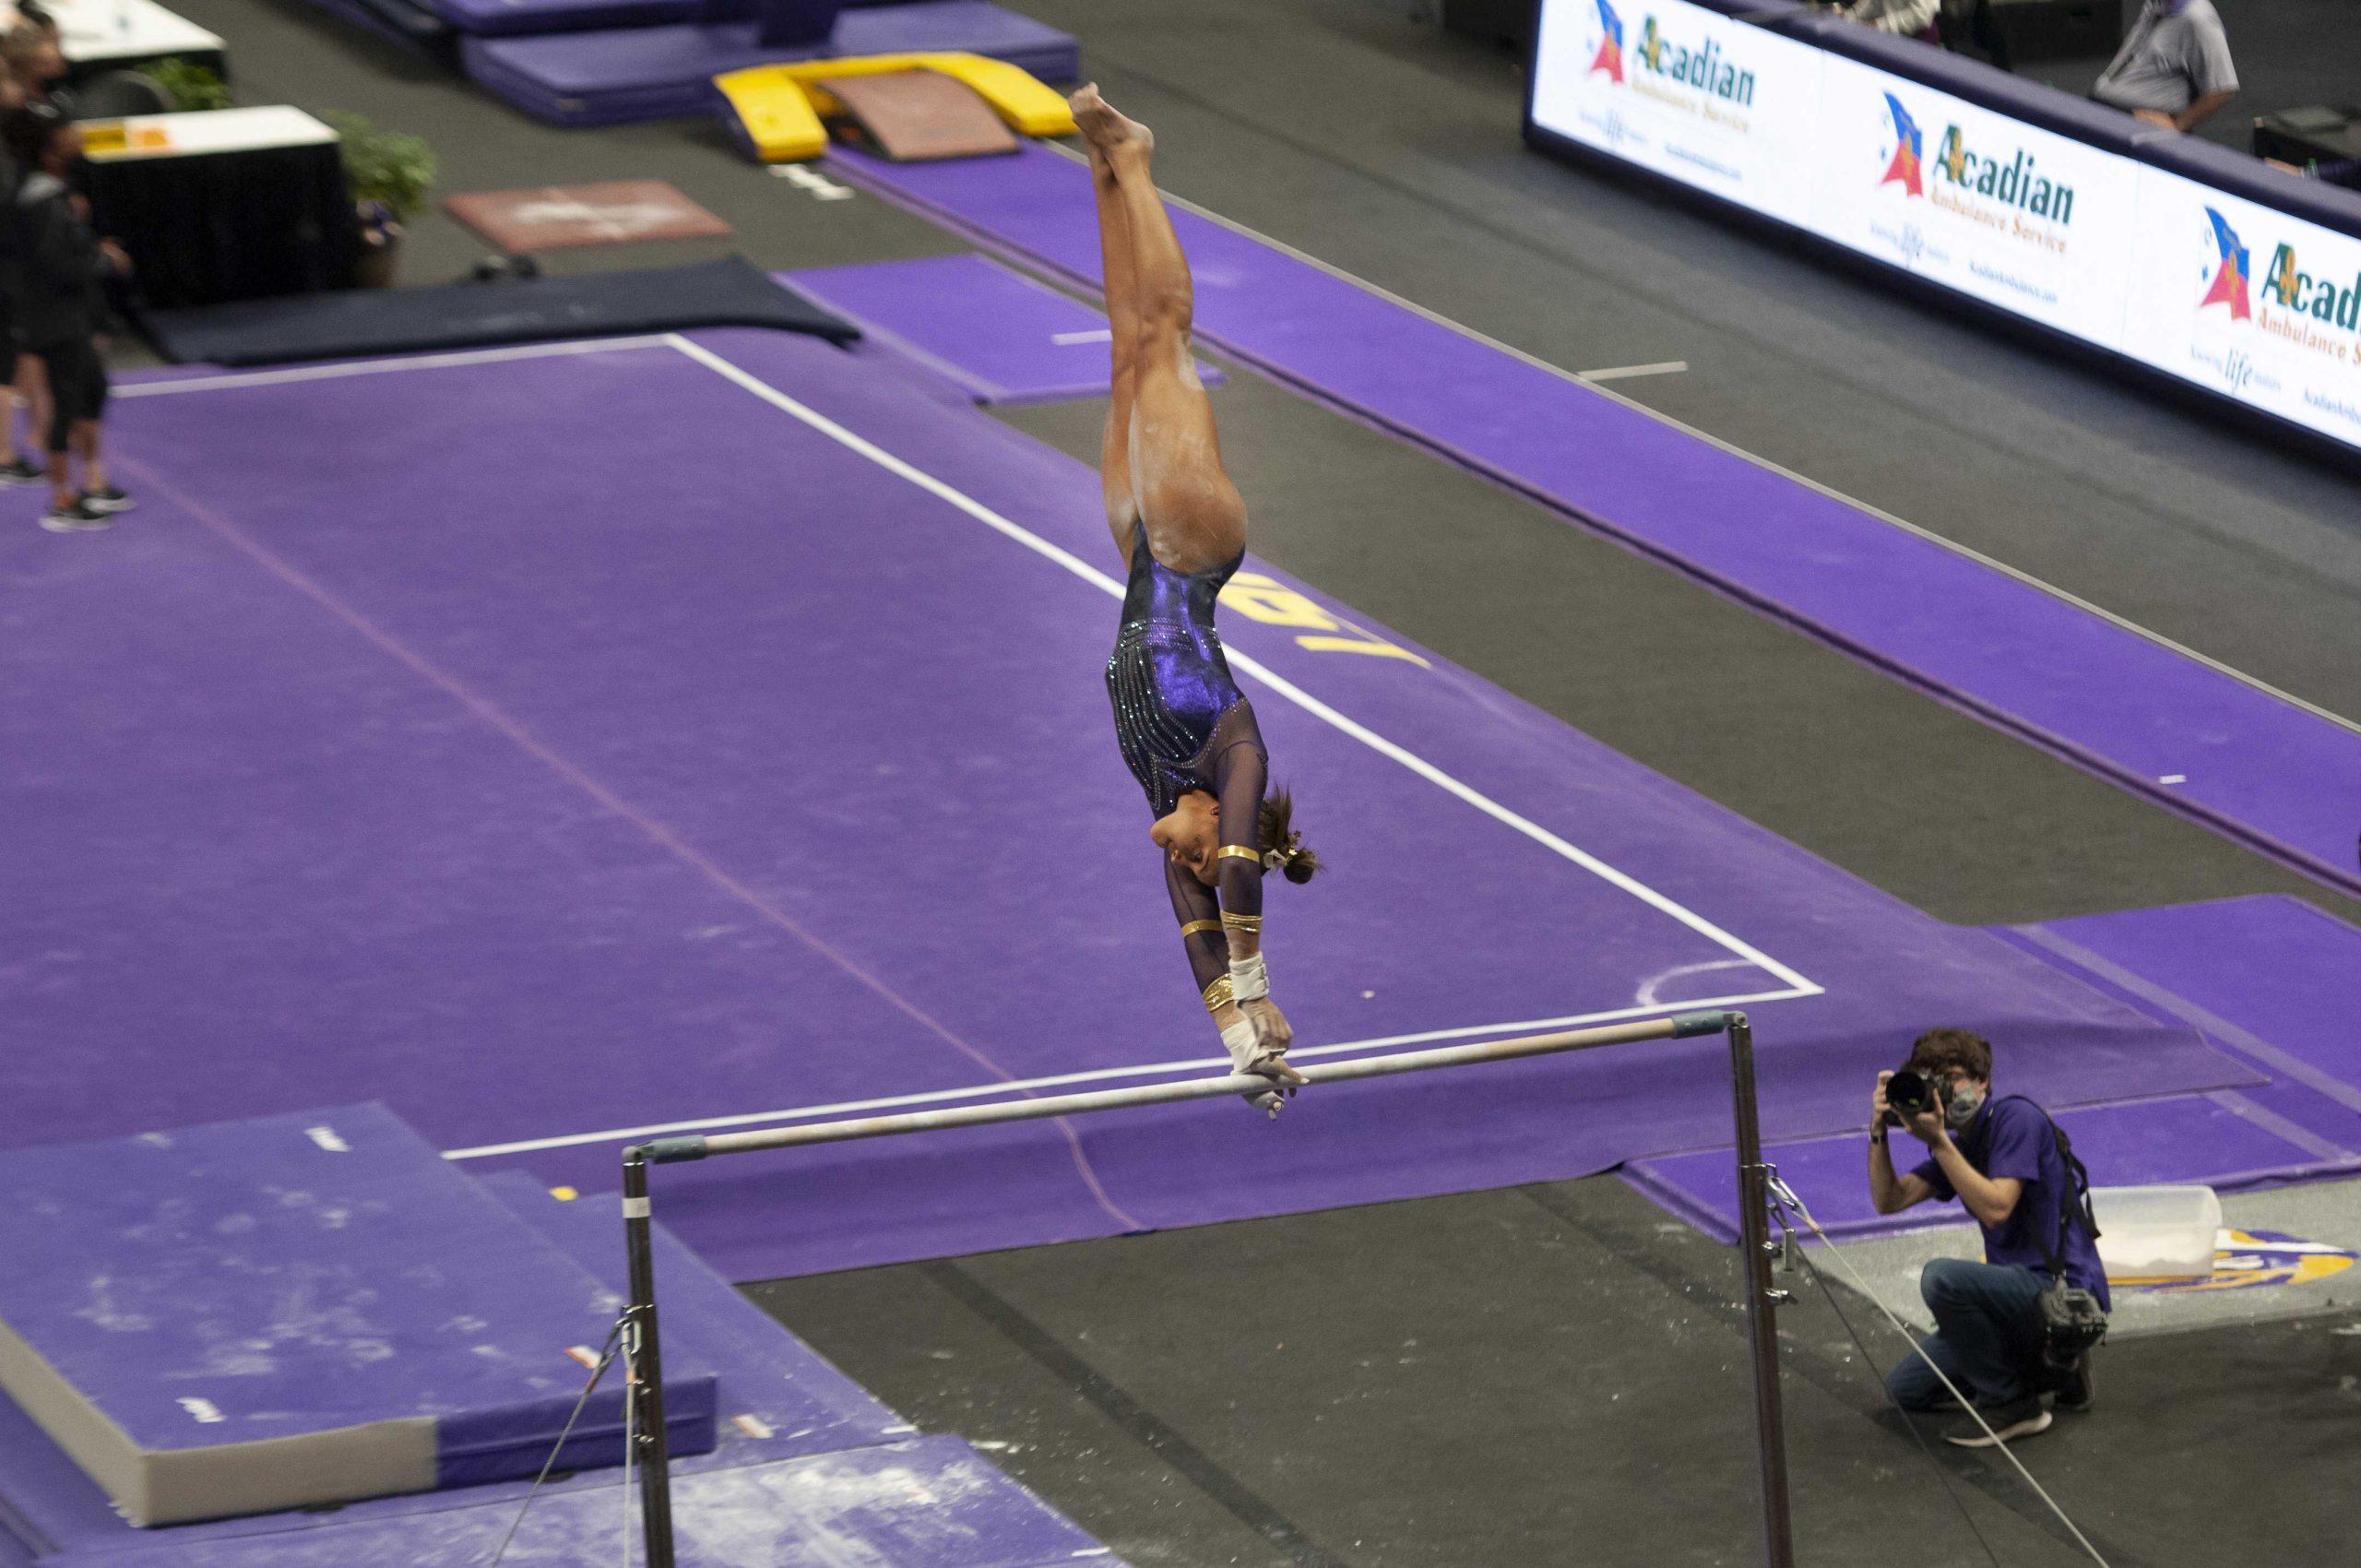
x: 247, y: 1306
x: 606, y: 62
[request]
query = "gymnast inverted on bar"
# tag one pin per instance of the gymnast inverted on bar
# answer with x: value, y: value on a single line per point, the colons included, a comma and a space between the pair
x: 1185, y: 730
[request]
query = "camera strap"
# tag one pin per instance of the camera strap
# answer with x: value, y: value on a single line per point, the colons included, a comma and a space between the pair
x: 2074, y: 1202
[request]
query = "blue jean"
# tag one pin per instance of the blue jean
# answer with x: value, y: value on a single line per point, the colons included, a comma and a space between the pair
x: 1987, y: 1334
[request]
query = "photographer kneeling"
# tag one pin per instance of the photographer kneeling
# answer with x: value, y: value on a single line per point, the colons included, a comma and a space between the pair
x: 2008, y: 1164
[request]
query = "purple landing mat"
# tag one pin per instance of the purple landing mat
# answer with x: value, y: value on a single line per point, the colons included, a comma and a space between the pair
x: 777, y: 1399
x: 931, y: 1503
x: 998, y: 336
x: 2189, y: 1138
x: 296, y: 1280
x: 637, y: 811
x: 2243, y: 762
x: 618, y: 75
x: 2271, y: 980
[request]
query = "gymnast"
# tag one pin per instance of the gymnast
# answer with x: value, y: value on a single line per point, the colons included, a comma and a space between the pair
x: 1186, y: 732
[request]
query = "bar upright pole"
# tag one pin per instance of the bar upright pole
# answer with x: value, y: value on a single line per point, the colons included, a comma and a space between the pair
x: 644, y: 1361
x: 1762, y: 1299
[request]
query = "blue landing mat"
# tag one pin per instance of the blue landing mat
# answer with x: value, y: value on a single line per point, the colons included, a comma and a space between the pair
x: 771, y: 1382
x: 295, y: 1310
x: 776, y: 1399
x: 932, y: 1503
x: 617, y: 75
x: 495, y: 16
x: 996, y: 335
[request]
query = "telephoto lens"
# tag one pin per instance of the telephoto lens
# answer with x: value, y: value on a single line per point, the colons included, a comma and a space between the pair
x: 1908, y: 1094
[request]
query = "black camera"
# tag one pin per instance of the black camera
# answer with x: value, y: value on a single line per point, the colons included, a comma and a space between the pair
x: 1909, y: 1094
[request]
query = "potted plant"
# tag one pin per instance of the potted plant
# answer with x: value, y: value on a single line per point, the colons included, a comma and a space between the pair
x: 190, y: 86
x: 389, y: 175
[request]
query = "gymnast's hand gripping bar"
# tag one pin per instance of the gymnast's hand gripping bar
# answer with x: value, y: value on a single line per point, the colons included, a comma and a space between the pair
x: 1762, y: 1299
x: 667, y: 1151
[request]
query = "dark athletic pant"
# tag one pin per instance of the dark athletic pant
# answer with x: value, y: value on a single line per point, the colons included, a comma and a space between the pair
x: 77, y: 385
x: 1986, y: 1339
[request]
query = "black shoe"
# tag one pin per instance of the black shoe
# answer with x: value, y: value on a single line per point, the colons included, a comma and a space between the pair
x: 2020, y: 1417
x: 2076, y: 1393
x: 19, y: 471
x: 75, y: 517
x: 107, y: 500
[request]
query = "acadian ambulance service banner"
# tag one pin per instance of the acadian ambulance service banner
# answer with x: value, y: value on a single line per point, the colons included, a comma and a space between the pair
x: 2242, y: 300
x: 2019, y: 218
x: 1685, y: 91
x: 2248, y: 301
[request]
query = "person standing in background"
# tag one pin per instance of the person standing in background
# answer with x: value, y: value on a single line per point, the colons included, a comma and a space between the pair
x: 33, y: 54
x: 61, y: 310
x: 15, y: 467
x: 2173, y: 69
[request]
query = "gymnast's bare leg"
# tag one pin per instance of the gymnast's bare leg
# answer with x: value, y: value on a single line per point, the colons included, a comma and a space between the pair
x: 1160, y: 461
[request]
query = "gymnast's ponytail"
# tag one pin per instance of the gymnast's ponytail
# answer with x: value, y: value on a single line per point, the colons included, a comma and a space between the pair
x: 1281, y: 846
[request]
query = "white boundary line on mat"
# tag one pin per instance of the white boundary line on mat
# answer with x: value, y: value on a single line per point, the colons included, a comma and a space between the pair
x: 1268, y: 677
x: 1965, y: 551
x: 342, y: 368
x: 1100, y: 1075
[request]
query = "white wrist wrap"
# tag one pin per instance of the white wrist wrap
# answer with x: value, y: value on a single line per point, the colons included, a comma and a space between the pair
x: 1250, y: 980
x: 1244, y: 1047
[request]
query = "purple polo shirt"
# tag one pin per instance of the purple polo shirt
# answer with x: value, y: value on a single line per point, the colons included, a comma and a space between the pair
x: 2010, y: 1137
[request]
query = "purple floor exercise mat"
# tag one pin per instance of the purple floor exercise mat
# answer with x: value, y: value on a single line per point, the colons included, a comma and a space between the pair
x: 2190, y: 1138
x: 997, y: 334
x: 296, y: 1309
x: 2248, y: 764
x: 646, y: 810
x: 2271, y: 980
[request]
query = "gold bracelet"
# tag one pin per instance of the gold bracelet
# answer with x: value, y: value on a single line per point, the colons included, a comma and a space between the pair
x: 1240, y: 851
x: 1219, y: 995
x: 1193, y: 927
x: 1253, y: 923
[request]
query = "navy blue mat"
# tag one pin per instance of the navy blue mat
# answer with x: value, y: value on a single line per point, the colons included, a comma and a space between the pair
x: 352, y: 323
x: 617, y: 75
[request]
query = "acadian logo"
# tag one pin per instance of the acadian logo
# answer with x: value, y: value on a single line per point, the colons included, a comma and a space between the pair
x: 2017, y: 182
x: 2229, y: 288
x: 1703, y: 69
x: 2321, y: 314
x: 2004, y: 194
x: 1609, y: 58
x: 2289, y: 287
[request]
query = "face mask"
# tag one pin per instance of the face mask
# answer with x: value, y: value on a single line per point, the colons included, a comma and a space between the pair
x: 1960, y: 1107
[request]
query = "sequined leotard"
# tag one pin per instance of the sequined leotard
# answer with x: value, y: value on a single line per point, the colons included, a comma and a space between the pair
x: 1182, y: 724
x: 1169, y: 683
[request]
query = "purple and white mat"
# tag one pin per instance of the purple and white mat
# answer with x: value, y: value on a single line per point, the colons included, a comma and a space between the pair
x: 566, y: 745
